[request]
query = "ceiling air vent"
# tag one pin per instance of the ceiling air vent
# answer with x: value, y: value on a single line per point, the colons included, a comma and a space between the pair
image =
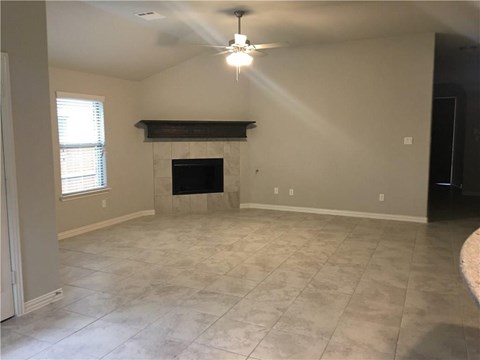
x: 150, y: 15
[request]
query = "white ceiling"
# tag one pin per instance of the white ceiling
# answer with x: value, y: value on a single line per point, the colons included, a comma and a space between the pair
x: 105, y: 37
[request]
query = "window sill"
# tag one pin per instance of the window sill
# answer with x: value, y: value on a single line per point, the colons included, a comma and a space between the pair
x: 84, y: 194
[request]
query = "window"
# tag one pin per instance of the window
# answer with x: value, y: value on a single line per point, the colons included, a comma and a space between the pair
x: 82, y: 143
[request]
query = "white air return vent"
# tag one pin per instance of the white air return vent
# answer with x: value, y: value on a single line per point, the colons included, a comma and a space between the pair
x: 150, y: 15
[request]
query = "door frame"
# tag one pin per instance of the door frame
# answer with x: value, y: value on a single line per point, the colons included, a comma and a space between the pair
x: 454, y: 134
x: 11, y: 187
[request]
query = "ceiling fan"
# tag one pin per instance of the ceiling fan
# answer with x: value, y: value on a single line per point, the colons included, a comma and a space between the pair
x: 240, y: 48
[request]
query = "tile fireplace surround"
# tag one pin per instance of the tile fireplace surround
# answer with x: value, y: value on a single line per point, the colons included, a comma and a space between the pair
x: 165, y: 151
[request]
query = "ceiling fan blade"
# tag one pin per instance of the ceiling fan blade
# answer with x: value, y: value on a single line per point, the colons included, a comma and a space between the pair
x: 211, y: 46
x: 269, y: 46
x: 222, y: 53
x: 258, y: 53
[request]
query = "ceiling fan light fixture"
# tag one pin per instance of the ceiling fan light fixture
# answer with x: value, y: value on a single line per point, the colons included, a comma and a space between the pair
x: 239, y: 59
x: 240, y: 39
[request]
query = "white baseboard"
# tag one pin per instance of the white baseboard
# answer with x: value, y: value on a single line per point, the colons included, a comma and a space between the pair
x: 43, y: 300
x: 102, y: 224
x: 417, y: 219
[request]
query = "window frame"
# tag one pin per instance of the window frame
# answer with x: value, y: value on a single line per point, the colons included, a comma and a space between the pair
x: 87, y: 192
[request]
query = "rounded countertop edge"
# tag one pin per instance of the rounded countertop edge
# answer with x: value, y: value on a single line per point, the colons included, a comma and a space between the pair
x: 470, y: 264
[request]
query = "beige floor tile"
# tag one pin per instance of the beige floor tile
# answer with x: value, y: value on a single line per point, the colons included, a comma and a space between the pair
x: 18, y: 346
x: 289, y: 278
x: 433, y: 341
x: 97, y: 305
x: 439, y: 283
x: 284, y: 345
x: 156, y: 274
x: 314, y: 316
x: 125, y: 267
x: 386, y: 275
x: 423, y: 307
x: 90, y: 261
x: 380, y: 293
x: 99, y: 281
x: 274, y: 292
x: 300, y: 262
x: 147, y: 345
x: 69, y: 274
x: 340, y: 278
x: 472, y: 337
x: 168, y: 295
x: 95, y: 340
x: 193, y: 280
x: 63, y: 352
x: 234, y: 336
x: 211, y: 302
x: 202, y: 352
x: 345, y: 351
x: 138, y: 314
x: 364, y: 309
x: 257, y: 312
x: 182, y: 324
x: 266, y: 261
x: 249, y: 271
x: 55, y: 325
x: 302, y: 277
x: 232, y: 286
x: 70, y: 295
x: 362, y: 340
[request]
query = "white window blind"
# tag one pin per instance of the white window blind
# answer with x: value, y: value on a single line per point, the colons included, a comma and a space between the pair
x: 82, y: 143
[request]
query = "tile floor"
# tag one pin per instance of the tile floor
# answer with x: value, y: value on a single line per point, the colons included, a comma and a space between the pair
x: 254, y: 284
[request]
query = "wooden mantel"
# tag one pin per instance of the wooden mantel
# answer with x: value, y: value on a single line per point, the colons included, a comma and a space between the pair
x: 181, y: 129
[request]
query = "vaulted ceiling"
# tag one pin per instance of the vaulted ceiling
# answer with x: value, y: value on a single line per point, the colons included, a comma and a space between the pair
x: 106, y: 37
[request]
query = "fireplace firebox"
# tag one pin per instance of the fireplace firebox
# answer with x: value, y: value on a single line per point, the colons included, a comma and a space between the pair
x: 197, y: 176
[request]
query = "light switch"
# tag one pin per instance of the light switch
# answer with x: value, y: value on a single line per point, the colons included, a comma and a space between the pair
x: 408, y: 140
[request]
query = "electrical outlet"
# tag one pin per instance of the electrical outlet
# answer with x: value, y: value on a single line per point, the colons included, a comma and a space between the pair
x: 290, y: 192
x: 275, y: 190
x: 408, y: 140
x: 381, y: 197
x: 104, y: 203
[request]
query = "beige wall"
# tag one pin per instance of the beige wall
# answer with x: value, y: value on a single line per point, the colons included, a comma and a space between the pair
x: 129, y: 158
x: 331, y: 121
x: 202, y: 88
x: 24, y: 38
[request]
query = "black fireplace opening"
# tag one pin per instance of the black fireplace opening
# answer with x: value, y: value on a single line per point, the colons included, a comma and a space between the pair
x: 197, y: 176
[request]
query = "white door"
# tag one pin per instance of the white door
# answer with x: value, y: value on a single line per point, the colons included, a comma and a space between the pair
x: 6, y: 296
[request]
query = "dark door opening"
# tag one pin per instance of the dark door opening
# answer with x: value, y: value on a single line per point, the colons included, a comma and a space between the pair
x: 445, y: 199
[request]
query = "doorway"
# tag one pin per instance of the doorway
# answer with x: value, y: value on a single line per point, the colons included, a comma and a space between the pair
x: 446, y: 159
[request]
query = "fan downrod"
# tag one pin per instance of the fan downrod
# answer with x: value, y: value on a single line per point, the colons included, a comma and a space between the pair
x: 239, y: 13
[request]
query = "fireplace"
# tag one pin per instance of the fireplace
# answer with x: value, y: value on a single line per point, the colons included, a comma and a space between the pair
x: 197, y: 176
